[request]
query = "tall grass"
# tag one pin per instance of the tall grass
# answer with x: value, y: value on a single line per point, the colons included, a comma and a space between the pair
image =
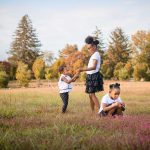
x: 31, y: 119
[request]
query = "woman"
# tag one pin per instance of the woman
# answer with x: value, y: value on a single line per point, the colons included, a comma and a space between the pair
x: 94, y: 79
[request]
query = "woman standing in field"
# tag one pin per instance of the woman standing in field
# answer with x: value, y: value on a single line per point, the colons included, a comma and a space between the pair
x: 94, y: 79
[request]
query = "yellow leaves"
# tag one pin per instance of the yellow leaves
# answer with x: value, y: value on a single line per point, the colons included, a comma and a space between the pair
x: 141, y: 38
x: 38, y: 68
x: 23, y: 74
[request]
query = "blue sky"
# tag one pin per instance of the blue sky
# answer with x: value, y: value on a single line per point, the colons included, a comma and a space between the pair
x: 58, y: 22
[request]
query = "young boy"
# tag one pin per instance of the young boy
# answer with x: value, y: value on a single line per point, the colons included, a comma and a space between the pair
x: 65, y: 86
x: 111, y: 103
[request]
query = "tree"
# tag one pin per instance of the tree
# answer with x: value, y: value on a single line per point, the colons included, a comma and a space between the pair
x: 26, y: 46
x: 10, y: 69
x: 68, y: 50
x: 119, y: 51
x: 5, y: 66
x: 38, y: 68
x: 58, y: 62
x: 141, y: 72
x: 117, y: 69
x: 98, y: 35
x: 123, y: 74
x: 141, y: 41
x: 48, y: 73
x: 23, y: 74
x: 48, y: 58
x: 71, y: 55
x: 4, y: 79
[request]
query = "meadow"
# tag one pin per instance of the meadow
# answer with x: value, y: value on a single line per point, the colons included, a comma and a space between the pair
x: 30, y: 118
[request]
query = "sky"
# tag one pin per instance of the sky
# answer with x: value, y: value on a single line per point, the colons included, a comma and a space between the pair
x: 61, y: 22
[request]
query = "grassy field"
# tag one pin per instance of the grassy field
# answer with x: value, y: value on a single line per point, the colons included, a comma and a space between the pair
x: 30, y: 118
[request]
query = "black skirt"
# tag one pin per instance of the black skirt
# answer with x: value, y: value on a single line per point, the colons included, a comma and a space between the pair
x: 94, y: 83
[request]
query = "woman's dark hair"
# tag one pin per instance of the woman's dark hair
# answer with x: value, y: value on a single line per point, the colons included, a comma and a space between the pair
x: 91, y: 40
x: 61, y: 68
x: 114, y: 86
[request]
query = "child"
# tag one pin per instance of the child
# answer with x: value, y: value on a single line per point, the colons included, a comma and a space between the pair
x: 65, y: 86
x: 111, y: 103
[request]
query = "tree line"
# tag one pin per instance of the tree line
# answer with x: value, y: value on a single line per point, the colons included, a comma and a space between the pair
x: 123, y: 58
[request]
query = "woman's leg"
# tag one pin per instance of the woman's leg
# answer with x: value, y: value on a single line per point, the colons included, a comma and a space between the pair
x: 91, y: 103
x: 95, y: 100
x: 64, y: 97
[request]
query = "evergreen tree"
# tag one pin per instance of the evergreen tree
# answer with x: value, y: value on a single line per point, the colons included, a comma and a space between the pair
x: 26, y: 46
x: 98, y: 35
x: 119, y: 51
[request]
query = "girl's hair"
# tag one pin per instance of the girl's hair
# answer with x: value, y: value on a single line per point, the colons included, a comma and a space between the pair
x: 114, y: 86
x: 61, y: 68
x: 91, y: 40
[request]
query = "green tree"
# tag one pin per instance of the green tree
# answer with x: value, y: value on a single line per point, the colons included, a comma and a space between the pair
x: 123, y: 74
x: 38, y: 68
x: 23, y: 74
x: 98, y: 35
x: 4, y: 79
x: 118, y: 67
x: 119, y: 51
x: 26, y: 46
x: 129, y: 69
x: 107, y: 68
x: 141, y: 72
x: 141, y: 41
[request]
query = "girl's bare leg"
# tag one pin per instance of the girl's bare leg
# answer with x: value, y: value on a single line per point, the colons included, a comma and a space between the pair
x: 119, y: 112
x: 111, y: 111
x: 91, y: 103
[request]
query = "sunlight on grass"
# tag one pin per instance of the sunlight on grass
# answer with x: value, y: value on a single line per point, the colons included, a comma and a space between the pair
x: 32, y: 119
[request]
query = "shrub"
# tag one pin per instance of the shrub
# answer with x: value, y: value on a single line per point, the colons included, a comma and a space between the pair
x: 140, y: 71
x: 123, y: 74
x: 23, y: 74
x: 48, y: 73
x: 4, y: 79
x: 118, y: 67
x: 38, y: 68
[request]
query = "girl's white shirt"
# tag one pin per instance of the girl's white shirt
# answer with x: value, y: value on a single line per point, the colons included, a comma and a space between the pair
x: 95, y: 56
x: 63, y: 86
x: 108, y: 100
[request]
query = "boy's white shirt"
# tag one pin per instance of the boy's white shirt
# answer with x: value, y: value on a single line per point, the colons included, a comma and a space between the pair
x: 63, y: 86
x: 107, y: 100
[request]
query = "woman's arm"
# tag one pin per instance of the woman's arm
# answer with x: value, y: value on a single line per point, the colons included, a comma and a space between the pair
x: 90, y: 68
